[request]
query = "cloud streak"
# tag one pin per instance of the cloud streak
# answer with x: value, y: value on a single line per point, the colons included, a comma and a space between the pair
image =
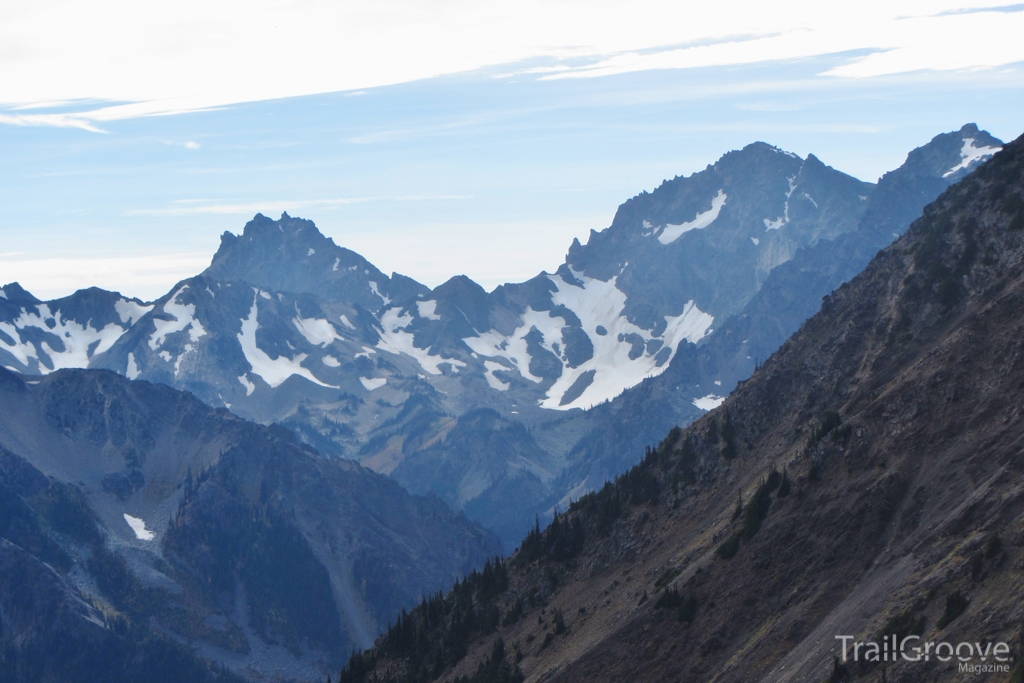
x: 190, y: 207
x: 975, y: 10
x: 50, y: 120
x: 145, y: 275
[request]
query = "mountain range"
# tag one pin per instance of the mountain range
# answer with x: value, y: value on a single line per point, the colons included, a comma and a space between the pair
x: 509, y: 403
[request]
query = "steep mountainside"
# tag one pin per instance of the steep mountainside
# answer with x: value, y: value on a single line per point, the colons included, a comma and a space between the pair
x: 865, y: 482
x: 232, y: 537
x: 646, y: 326
x: 49, y: 630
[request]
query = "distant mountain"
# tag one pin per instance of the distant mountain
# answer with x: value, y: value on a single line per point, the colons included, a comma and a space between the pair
x: 291, y: 255
x: 473, y: 396
x: 863, y: 483
x: 183, y: 520
x: 790, y: 294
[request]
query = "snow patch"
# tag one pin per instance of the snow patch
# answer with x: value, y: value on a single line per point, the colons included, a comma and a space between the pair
x: 374, y: 383
x: 346, y: 323
x: 311, y: 251
x: 249, y: 386
x: 274, y: 371
x: 139, y: 527
x: 266, y: 295
x: 183, y: 318
x: 426, y: 309
x: 782, y: 220
x: 373, y: 288
x: 317, y: 331
x: 755, y: 241
x: 672, y: 232
x: 166, y: 355
x: 336, y: 262
x: 970, y: 154
x: 130, y: 311
x: 709, y: 402
x: 177, y: 364
x: 395, y: 339
x: 132, y: 372
x: 3, y: 294
x: 495, y: 382
x: 330, y: 361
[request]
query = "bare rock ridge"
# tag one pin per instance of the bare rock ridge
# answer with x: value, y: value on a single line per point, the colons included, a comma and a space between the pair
x: 164, y: 522
x: 865, y: 481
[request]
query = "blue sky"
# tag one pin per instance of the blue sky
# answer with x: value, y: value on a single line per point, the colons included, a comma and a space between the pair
x: 469, y: 151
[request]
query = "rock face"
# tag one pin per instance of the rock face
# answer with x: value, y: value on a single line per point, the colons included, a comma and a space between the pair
x: 646, y: 326
x: 864, y: 482
x: 185, y: 520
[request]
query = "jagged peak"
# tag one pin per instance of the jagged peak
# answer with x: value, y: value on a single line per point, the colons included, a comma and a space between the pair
x: 287, y: 227
x: 941, y: 155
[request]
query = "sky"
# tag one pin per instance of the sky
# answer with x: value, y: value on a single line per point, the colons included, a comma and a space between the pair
x: 444, y: 137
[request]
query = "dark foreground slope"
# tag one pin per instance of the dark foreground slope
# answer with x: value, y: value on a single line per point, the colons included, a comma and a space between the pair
x: 161, y: 520
x: 866, y: 481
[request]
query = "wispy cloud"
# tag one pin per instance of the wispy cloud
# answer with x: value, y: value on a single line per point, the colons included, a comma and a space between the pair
x: 976, y: 10
x: 144, y: 275
x: 380, y: 136
x: 87, y: 117
x: 50, y: 120
x: 956, y: 39
x: 187, y: 207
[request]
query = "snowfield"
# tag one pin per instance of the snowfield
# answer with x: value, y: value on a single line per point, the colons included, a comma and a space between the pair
x: 273, y: 371
x: 673, y: 232
x: 610, y: 370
